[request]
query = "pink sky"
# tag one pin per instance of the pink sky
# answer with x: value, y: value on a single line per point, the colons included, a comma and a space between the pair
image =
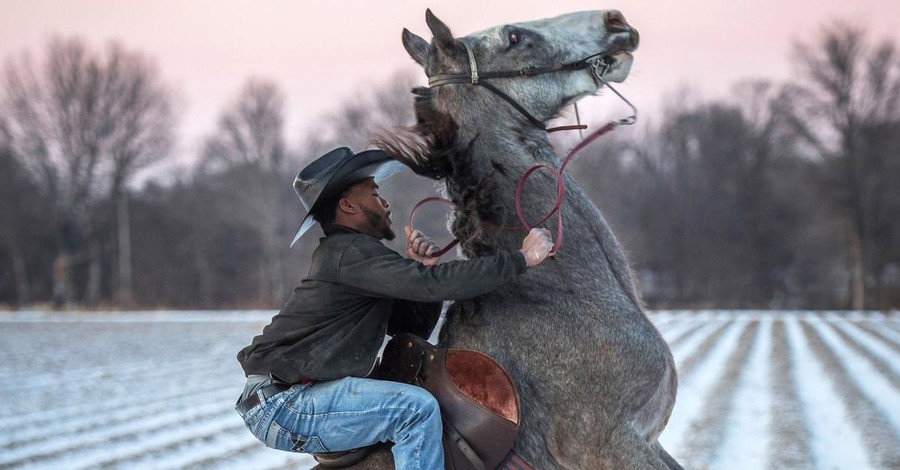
x: 322, y: 52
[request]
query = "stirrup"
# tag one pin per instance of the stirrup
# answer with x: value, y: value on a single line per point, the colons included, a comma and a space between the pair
x: 344, y: 458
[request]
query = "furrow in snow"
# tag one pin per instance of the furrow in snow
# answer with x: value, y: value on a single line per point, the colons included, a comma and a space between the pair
x: 28, y: 379
x: 259, y: 458
x: 662, y: 320
x: 870, y: 384
x: 746, y: 442
x: 789, y: 435
x: 676, y: 336
x: 707, y: 430
x: 856, y: 341
x: 698, y: 353
x: 892, y: 328
x: 877, y: 329
x: 879, y: 438
x: 109, y: 436
x: 835, y: 443
x: 124, y: 450
x: 693, y: 387
x: 79, y: 392
x: 112, y: 395
x: 187, y: 453
x: 215, y: 457
x: 82, y: 423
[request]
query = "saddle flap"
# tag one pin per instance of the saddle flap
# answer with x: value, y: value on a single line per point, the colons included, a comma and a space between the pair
x: 480, y: 378
x: 487, y: 424
x: 479, y: 401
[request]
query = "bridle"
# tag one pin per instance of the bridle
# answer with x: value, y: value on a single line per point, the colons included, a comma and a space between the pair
x: 597, y: 65
x: 595, y: 62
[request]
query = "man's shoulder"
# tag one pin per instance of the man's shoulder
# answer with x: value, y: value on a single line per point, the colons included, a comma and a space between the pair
x: 354, y: 243
x: 339, y: 252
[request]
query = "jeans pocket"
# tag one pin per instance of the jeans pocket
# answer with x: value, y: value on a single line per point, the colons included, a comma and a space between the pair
x: 309, y: 445
x: 252, y: 416
x: 277, y: 437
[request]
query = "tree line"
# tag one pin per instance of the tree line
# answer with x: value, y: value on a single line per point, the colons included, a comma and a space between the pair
x: 783, y: 195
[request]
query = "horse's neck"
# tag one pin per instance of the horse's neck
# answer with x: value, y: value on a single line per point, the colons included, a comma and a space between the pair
x: 500, y: 157
x: 503, y: 155
x: 484, y: 179
x: 500, y: 161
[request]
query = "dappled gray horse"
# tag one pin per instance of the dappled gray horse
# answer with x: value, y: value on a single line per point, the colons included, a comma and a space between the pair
x: 597, y: 380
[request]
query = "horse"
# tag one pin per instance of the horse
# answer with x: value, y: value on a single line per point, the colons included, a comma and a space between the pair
x: 597, y: 381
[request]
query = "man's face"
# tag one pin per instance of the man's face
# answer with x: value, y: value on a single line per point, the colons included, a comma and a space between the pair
x: 374, y: 209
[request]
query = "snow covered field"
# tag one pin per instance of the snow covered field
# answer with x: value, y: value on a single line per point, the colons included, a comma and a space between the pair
x: 776, y: 390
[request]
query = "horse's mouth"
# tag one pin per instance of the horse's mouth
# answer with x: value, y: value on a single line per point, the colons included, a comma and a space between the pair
x: 618, y: 64
x: 614, y: 56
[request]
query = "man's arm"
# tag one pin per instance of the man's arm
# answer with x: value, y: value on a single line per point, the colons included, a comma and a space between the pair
x: 536, y: 247
x: 369, y: 267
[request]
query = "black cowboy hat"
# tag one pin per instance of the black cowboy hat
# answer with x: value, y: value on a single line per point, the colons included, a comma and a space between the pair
x: 330, y: 174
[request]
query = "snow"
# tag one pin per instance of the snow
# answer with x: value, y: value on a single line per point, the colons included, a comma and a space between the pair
x: 835, y: 445
x: 873, y: 345
x: 691, y: 387
x: 872, y: 384
x: 156, y: 390
x: 750, y: 413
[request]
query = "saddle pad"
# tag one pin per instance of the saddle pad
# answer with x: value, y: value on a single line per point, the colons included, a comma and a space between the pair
x: 483, y: 380
x: 514, y: 461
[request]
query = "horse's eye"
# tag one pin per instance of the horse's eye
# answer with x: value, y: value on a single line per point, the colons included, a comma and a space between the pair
x: 513, y: 38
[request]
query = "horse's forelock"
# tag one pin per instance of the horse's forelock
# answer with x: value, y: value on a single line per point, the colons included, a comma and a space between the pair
x: 427, y: 147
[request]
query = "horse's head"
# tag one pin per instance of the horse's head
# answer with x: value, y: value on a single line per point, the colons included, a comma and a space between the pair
x: 543, y: 65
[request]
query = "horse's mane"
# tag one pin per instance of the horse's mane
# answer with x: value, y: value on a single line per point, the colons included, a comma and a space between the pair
x: 431, y: 148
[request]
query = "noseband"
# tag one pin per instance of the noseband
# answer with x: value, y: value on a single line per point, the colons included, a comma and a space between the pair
x: 595, y: 63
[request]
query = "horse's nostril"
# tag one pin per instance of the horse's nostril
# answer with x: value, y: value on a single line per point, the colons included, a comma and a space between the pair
x: 615, y: 21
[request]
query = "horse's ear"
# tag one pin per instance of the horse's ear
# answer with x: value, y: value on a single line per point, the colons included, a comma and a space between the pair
x: 443, y: 38
x: 418, y: 48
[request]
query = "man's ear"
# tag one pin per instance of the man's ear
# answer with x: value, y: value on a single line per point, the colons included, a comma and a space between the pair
x: 345, y: 204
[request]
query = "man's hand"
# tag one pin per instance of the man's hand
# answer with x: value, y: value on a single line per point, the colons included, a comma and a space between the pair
x: 420, y: 248
x: 536, y: 246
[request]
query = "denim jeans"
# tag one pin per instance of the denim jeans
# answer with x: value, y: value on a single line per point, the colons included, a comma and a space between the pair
x: 350, y: 413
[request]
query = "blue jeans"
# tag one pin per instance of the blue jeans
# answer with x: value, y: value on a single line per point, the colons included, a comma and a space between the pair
x: 350, y: 413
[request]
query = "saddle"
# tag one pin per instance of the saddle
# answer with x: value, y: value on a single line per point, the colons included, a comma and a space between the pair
x: 478, y: 400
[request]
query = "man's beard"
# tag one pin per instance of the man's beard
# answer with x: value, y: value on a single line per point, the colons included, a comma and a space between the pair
x: 380, y: 224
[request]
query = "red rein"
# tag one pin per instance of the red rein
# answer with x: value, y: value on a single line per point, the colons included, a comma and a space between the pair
x: 560, y: 194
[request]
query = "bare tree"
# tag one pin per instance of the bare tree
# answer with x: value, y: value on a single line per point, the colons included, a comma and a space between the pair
x: 248, y: 153
x: 250, y: 130
x: 83, y: 123
x: 359, y: 119
x: 13, y: 183
x: 848, y: 113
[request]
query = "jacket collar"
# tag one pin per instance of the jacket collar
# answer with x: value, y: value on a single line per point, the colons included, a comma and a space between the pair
x: 331, y: 229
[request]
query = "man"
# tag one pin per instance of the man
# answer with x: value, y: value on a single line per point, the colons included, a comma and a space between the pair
x: 307, y: 387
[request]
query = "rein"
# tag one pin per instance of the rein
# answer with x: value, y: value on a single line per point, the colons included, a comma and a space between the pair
x: 598, y: 67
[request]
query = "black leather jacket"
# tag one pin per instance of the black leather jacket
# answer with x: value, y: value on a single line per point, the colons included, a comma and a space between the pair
x: 335, y: 322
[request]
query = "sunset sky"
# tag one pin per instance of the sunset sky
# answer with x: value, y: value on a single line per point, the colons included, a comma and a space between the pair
x: 322, y: 52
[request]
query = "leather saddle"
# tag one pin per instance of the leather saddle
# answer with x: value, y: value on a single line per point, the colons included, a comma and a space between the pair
x: 478, y: 400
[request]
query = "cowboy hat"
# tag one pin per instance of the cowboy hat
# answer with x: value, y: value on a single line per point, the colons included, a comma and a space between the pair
x: 333, y: 172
